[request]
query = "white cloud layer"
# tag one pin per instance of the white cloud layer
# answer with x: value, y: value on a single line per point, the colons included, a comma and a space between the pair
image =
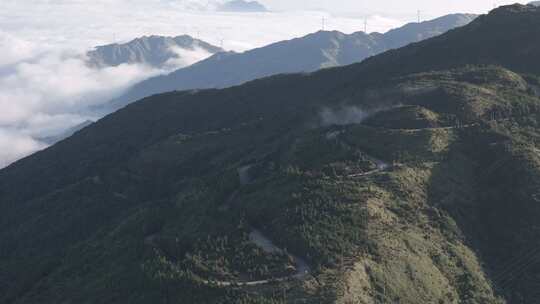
x: 56, y: 83
x: 14, y: 49
x: 45, y: 87
x: 13, y: 145
x: 44, y: 93
x: 186, y: 57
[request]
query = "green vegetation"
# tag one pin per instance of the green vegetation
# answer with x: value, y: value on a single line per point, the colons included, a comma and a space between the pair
x: 147, y: 205
x: 407, y: 117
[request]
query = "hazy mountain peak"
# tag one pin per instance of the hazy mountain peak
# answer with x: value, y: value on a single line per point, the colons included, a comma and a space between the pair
x: 322, y: 49
x: 415, y: 31
x: 242, y: 6
x: 155, y: 51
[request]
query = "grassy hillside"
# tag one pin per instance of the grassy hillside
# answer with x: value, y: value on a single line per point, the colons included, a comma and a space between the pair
x: 428, y: 194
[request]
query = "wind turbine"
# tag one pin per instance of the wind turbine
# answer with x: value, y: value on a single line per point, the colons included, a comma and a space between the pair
x: 365, y: 25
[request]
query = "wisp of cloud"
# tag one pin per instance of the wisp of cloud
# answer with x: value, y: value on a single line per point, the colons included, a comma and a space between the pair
x: 345, y: 115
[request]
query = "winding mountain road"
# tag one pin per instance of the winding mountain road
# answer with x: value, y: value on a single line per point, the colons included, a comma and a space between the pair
x: 259, y: 239
x: 383, y: 166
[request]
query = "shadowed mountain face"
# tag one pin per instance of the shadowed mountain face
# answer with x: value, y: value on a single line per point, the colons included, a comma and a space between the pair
x: 429, y: 196
x: 155, y: 51
x: 306, y: 54
x: 50, y: 140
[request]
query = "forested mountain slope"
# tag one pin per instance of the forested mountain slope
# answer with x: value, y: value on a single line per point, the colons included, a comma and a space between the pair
x: 411, y: 177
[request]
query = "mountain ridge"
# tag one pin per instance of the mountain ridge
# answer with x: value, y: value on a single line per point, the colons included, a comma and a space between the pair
x: 155, y: 51
x: 311, y: 52
x: 157, y: 186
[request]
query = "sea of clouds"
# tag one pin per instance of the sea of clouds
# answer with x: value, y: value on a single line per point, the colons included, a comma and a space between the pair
x: 46, y: 87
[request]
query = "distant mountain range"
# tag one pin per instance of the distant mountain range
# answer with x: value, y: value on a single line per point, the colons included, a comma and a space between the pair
x: 246, y: 195
x: 242, y: 6
x: 307, y: 54
x: 155, y: 51
x: 414, y: 32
